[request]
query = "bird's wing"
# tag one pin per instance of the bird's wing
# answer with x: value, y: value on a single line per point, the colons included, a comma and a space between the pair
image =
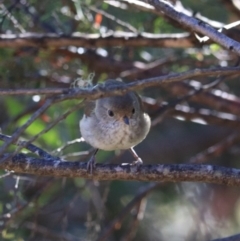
x: 139, y: 101
x: 89, y: 107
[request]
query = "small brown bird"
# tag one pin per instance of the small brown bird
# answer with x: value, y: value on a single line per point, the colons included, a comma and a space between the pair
x: 114, y: 123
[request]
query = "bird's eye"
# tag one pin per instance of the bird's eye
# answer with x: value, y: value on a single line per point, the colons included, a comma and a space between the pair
x: 110, y: 113
x: 133, y: 111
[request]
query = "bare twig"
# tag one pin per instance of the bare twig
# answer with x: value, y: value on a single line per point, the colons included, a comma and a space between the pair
x: 25, y: 144
x: 49, y: 127
x: 142, y: 5
x: 17, y: 133
x: 8, y: 217
x: 138, y: 216
x: 43, y: 91
x: 205, y: 116
x: 69, y: 143
x: 216, y: 99
x: 217, y: 149
x: 113, y: 18
x: 135, y: 201
x: 48, y: 233
x: 7, y: 14
x: 164, y: 108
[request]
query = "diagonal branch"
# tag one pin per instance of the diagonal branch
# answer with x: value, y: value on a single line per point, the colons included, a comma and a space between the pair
x: 196, y: 25
x: 18, y: 132
x: 126, y: 210
x: 177, y: 4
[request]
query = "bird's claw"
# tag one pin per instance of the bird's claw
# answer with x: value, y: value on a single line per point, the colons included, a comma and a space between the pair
x: 138, y: 163
x: 91, y: 165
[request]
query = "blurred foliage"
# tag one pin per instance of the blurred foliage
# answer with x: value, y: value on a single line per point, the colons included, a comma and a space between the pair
x: 47, y: 208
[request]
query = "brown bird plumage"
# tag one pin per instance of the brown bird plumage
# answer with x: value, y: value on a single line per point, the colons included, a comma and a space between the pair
x: 113, y: 123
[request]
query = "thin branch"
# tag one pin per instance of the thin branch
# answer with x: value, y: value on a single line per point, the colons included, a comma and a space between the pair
x: 217, y: 149
x: 8, y: 217
x: 196, y: 25
x: 217, y: 99
x: 179, y: 7
x: 43, y: 91
x: 135, y: 201
x: 101, y: 91
x: 69, y: 143
x: 113, y: 18
x: 49, y: 233
x: 7, y: 14
x: 194, y: 92
x: 38, y: 151
x: 23, y: 163
x: 17, y: 133
x: 85, y: 40
x: 138, y: 216
x: 204, y: 116
x: 25, y: 144
x: 28, y: 110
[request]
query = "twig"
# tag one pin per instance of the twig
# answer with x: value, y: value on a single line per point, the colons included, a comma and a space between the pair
x: 215, y: 98
x: 50, y: 126
x: 118, y: 21
x: 5, y: 175
x: 17, y: 133
x: 142, y: 194
x: 43, y: 91
x: 217, y: 149
x: 7, y: 218
x: 171, y: 104
x: 204, y: 116
x: 149, y: 8
x: 69, y: 143
x: 49, y: 233
x: 25, y: 144
x: 138, y: 216
x: 75, y: 154
x: 7, y: 13
x: 26, y: 111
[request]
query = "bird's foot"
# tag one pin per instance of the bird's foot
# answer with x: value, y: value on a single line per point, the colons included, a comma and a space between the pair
x: 91, y: 164
x: 138, y: 162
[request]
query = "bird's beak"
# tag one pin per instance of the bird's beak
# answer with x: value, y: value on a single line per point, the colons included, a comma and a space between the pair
x: 126, y: 120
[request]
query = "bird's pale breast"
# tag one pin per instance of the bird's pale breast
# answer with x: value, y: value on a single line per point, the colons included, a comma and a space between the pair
x: 113, y: 135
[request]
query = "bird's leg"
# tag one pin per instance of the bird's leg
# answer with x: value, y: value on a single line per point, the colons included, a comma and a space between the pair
x: 91, y: 162
x: 138, y: 161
